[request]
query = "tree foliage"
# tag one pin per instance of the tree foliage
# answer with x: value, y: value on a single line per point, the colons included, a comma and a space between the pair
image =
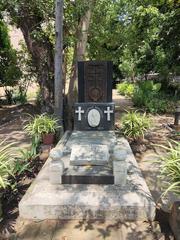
x: 35, y: 19
x: 9, y: 71
x: 138, y: 36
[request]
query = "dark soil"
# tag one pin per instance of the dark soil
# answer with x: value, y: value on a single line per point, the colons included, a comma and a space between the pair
x: 9, y: 113
x: 12, y: 118
x: 163, y: 219
x: 13, y: 194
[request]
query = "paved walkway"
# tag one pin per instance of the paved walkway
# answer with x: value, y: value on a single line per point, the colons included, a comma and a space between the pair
x: 12, y: 121
x: 14, y: 133
x: 86, y: 230
x: 122, y: 104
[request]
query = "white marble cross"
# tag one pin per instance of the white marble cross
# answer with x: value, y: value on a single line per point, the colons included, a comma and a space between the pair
x: 79, y: 111
x: 108, y: 112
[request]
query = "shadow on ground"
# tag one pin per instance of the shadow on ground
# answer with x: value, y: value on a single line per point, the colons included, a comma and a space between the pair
x: 91, y: 230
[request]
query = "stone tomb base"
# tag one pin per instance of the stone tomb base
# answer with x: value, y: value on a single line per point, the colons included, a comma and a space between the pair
x: 133, y: 202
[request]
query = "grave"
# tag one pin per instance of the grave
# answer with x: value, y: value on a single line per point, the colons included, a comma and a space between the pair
x: 90, y: 173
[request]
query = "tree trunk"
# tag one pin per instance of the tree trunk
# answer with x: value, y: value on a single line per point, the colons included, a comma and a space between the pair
x: 42, y: 57
x: 79, y: 55
x: 58, y: 63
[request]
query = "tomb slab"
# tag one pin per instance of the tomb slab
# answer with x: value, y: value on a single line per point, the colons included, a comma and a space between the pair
x: 132, y: 202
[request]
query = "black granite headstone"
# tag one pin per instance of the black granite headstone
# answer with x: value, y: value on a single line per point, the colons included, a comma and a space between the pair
x: 94, y: 116
x: 95, y: 81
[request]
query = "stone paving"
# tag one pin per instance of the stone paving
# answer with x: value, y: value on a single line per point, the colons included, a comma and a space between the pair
x: 87, y: 230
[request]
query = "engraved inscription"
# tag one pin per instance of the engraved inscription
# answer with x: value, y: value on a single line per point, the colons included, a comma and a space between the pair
x: 95, y: 82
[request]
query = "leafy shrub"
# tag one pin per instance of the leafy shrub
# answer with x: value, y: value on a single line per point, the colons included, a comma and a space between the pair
x: 135, y: 124
x: 10, y: 72
x: 158, y: 105
x: 150, y: 86
x: 20, y: 97
x: 147, y: 94
x: 170, y: 167
x: 125, y: 88
x: 121, y: 88
x: 130, y: 90
x: 144, y: 92
x: 6, y: 164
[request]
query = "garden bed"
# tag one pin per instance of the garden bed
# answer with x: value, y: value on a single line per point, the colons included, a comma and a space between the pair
x: 12, y: 195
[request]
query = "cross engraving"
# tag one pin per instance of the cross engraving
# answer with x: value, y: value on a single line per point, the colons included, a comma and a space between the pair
x: 108, y: 112
x: 79, y: 112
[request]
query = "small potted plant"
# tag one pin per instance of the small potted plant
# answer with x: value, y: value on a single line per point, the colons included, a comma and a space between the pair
x: 43, y: 127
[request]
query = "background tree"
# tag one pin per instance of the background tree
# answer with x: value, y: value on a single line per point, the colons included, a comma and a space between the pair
x: 9, y: 70
x: 36, y: 21
x: 82, y: 18
x: 138, y: 36
x: 169, y: 36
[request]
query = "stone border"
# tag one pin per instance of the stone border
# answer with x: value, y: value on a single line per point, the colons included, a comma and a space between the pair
x: 132, y: 202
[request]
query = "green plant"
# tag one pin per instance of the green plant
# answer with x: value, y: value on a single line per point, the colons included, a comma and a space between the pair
x: 41, y: 124
x: 144, y: 92
x: 148, y: 95
x: 135, y: 124
x: 10, y: 72
x: 170, y: 167
x: 155, y: 105
x: 149, y: 86
x: 130, y: 90
x: 20, y: 96
x: 121, y: 88
x: 6, y: 164
x: 125, y: 88
x: 35, y: 141
x: 22, y: 163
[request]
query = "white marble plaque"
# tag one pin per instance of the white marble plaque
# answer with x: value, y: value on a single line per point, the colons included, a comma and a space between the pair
x: 94, y: 118
x: 93, y: 154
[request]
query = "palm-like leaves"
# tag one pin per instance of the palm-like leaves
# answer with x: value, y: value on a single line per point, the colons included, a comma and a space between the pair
x: 41, y: 124
x: 134, y: 124
x: 6, y: 164
x: 170, y: 167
